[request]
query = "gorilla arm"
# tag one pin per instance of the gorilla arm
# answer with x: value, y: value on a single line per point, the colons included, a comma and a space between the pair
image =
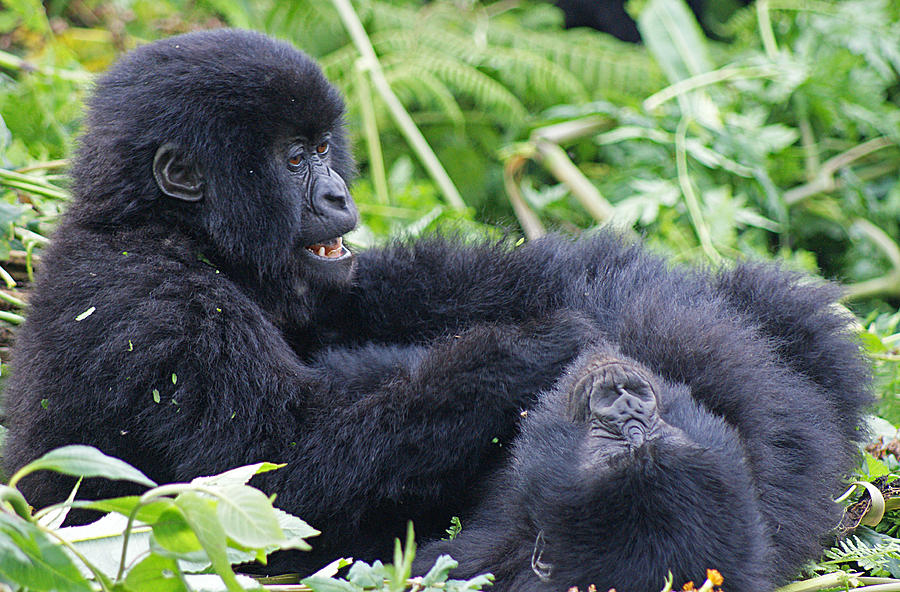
x: 410, y: 293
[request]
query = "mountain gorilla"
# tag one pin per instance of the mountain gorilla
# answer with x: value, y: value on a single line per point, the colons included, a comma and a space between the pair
x: 595, y: 416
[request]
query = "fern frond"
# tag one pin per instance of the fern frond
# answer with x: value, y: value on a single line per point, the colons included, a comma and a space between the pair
x: 413, y: 84
x: 742, y: 24
x: 854, y: 550
x: 486, y: 93
x: 529, y: 74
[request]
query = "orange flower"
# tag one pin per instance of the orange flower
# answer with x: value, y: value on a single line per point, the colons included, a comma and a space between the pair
x: 715, y: 577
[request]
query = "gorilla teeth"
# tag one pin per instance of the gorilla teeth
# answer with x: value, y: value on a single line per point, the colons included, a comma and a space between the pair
x: 330, y: 250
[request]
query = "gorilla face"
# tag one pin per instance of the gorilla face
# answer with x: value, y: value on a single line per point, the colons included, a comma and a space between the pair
x: 251, y: 161
x: 327, y: 209
x: 308, y: 209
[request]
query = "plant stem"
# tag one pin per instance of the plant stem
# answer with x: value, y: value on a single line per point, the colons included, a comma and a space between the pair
x: 832, y: 580
x: 568, y: 131
x: 765, y: 29
x: 807, y: 137
x: 11, y: 317
x: 29, y: 260
x: 38, y: 189
x: 690, y: 196
x: 23, y: 234
x: 886, y: 284
x: 43, y: 166
x: 369, y: 62
x: 30, y: 183
x: 8, y: 279
x: 373, y: 140
x: 14, y: 62
x: 528, y: 220
x: 560, y: 166
x: 12, y: 300
x: 687, y: 85
x: 824, y: 180
x: 99, y: 576
x: 147, y: 497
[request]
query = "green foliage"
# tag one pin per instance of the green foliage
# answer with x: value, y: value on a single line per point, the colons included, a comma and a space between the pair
x: 881, y: 339
x: 760, y: 139
x: 83, y: 461
x: 158, y: 538
x: 396, y: 577
x: 173, y: 538
x: 877, y: 554
x: 454, y: 529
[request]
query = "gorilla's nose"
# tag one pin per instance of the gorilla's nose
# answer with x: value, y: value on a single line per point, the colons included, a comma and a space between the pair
x: 330, y: 193
x: 332, y: 206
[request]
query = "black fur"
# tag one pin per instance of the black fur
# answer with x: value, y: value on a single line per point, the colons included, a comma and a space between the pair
x: 392, y: 383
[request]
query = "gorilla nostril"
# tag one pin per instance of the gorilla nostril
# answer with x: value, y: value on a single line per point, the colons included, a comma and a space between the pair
x: 329, y: 193
x: 337, y: 199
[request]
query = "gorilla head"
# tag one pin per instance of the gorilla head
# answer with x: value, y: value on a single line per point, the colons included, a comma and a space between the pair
x: 234, y: 124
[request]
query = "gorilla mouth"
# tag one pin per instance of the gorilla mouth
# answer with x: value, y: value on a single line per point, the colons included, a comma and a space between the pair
x: 332, y: 249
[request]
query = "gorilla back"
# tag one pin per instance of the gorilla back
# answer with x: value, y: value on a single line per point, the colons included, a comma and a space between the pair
x: 676, y: 420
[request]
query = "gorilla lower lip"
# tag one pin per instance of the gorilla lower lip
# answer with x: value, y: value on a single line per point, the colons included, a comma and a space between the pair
x: 333, y: 249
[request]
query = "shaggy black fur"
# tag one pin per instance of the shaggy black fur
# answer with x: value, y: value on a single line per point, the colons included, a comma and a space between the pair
x: 677, y: 420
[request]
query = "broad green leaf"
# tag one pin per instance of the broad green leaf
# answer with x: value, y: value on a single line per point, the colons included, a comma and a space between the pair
x: 155, y: 573
x: 238, y: 476
x: 200, y: 513
x: 872, y: 342
x: 172, y: 532
x: 101, y: 542
x: 875, y: 468
x: 440, y: 571
x: 84, y: 461
x: 335, y: 566
x: 476, y: 583
x: 148, y: 513
x: 319, y: 584
x: 9, y: 213
x: 671, y: 33
x: 878, y: 426
x: 248, y: 517
x: 366, y: 576
x: 294, y: 527
x: 29, y: 559
x: 16, y: 500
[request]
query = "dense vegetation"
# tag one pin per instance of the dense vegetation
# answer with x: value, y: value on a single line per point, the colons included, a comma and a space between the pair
x: 779, y: 140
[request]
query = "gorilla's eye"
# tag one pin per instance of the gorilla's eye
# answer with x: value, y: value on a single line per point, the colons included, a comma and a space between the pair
x: 322, y: 148
x: 295, y: 160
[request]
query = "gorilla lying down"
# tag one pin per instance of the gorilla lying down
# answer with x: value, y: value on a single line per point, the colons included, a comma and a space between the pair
x: 594, y: 415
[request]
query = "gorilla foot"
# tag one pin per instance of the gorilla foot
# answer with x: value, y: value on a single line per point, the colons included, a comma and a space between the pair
x: 619, y: 400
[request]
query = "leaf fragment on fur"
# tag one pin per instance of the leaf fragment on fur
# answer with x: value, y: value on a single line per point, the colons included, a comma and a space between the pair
x: 86, y: 314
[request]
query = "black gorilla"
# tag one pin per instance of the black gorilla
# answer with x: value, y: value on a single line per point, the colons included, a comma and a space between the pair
x: 673, y: 419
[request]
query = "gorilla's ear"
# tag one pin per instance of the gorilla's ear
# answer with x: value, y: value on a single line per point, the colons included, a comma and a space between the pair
x: 176, y: 175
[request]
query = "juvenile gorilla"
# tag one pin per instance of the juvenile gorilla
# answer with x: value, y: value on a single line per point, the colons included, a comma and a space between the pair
x: 676, y: 420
